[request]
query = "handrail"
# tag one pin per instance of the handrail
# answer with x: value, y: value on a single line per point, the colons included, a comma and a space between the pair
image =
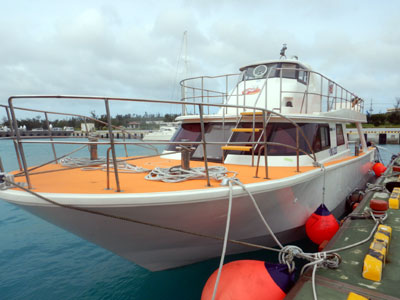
x: 21, y: 140
x: 79, y: 116
x: 328, y: 92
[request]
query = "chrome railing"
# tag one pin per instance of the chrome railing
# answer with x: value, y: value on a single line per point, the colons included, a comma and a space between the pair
x: 20, y: 140
x: 331, y: 95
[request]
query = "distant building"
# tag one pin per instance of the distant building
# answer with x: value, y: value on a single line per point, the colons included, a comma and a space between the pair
x: 90, y: 127
x: 133, y: 125
x: 392, y: 109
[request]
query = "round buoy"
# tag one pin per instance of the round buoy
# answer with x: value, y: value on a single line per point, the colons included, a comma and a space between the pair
x: 321, y: 225
x: 378, y: 207
x: 378, y: 169
x: 250, y: 279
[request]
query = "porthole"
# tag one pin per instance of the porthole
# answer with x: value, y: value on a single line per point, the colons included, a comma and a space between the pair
x: 260, y: 71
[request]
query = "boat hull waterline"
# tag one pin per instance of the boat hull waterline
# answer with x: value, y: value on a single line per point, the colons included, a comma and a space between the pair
x: 285, y: 203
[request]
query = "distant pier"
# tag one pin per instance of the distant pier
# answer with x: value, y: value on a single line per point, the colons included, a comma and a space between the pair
x: 127, y: 134
x: 376, y: 135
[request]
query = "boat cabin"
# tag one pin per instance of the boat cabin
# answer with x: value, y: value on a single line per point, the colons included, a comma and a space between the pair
x: 325, y: 139
x: 287, y: 86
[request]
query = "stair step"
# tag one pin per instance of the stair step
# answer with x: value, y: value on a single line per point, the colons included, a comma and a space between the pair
x: 251, y: 113
x: 238, y: 148
x: 246, y: 129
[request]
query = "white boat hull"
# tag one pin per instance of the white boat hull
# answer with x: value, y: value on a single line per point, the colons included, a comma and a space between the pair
x: 286, y: 204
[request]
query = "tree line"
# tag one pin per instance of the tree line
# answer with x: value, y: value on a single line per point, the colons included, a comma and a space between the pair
x: 391, y: 118
x: 75, y: 122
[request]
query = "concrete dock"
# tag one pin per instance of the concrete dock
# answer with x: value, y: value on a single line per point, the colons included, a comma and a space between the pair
x: 348, y: 277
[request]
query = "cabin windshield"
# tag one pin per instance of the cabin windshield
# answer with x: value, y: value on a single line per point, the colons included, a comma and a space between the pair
x: 272, y: 70
x: 277, y: 133
x: 214, y: 132
x: 282, y: 133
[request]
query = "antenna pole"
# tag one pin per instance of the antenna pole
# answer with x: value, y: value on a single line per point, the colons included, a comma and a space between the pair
x: 284, y: 48
x: 185, y: 72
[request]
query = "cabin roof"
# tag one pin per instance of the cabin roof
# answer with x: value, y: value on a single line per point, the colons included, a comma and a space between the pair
x: 278, y: 61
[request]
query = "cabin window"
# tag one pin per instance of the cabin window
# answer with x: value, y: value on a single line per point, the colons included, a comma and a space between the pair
x: 322, y: 139
x: 188, y: 132
x: 285, y: 133
x: 289, y: 71
x: 214, y: 132
x: 258, y: 72
x: 339, y: 135
x: 272, y: 70
x: 302, y: 75
x: 279, y: 133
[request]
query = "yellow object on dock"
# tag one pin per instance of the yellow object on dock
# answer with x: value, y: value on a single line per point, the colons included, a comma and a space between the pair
x: 375, y: 259
x: 238, y: 148
x: 384, y: 233
x: 354, y: 296
x: 394, y: 199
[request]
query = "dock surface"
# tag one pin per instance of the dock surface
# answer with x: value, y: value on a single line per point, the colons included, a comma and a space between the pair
x: 338, y: 283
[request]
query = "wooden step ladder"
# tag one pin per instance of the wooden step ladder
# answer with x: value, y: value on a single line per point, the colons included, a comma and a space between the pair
x: 251, y: 130
x: 236, y: 129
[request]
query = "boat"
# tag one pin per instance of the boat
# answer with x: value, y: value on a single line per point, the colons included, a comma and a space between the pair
x: 165, y: 133
x: 273, y: 132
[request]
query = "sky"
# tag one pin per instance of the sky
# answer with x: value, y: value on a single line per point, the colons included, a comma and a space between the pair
x: 134, y: 49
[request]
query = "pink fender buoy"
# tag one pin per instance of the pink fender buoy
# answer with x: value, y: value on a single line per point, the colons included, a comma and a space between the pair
x: 378, y: 169
x: 250, y: 280
x: 321, y: 225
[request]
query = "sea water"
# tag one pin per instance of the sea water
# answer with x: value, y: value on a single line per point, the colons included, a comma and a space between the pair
x: 41, y: 261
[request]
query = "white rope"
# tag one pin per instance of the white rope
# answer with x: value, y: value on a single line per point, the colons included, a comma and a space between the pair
x: 260, y: 214
x: 287, y: 255
x: 87, y: 164
x: 81, y: 161
x: 314, y: 287
x: 376, y: 188
x: 228, y: 221
x: 326, y: 259
x: 178, y: 174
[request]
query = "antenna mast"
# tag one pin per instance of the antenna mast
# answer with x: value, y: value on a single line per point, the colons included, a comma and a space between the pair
x: 284, y: 48
x: 185, y: 71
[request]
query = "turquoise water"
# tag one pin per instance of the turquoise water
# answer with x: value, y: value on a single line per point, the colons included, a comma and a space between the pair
x: 41, y: 261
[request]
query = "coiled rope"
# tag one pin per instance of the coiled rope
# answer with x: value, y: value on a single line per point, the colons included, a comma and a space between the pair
x: 87, y: 164
x: 178, y: 174
x: 326, y: 259
x: 81, y: 161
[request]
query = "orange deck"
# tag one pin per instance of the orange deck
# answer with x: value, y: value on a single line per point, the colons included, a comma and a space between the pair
x: 94, y: 182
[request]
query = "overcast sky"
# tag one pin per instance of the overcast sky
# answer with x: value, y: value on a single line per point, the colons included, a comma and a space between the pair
x: 131, y: 48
